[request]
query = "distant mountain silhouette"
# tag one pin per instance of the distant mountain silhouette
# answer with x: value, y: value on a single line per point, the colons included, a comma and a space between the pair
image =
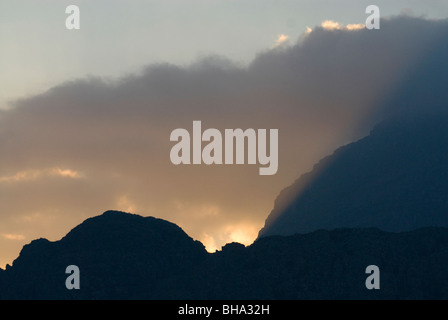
x: 120, y: 255
x: 125, y: 256
x: 379, y: 201
x: 395, y: 179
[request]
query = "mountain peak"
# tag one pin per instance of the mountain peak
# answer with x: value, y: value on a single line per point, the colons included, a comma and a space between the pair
x: 121, y: 245
x: 395, y: 179
x: 114, y: 227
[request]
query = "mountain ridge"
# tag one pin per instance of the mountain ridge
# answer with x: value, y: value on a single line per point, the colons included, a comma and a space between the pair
x: 395, y: 179
x: 324, y: 264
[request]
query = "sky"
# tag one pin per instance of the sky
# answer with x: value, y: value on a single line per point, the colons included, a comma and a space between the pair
x: 86, y: 115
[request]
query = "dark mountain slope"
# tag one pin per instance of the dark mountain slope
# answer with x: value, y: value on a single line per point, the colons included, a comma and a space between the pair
x: 395, y: 179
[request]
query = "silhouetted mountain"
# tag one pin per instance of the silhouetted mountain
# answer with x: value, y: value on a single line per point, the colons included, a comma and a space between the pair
x: 395, y: 179
x: 120, y: 255
x: 125, y: 256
